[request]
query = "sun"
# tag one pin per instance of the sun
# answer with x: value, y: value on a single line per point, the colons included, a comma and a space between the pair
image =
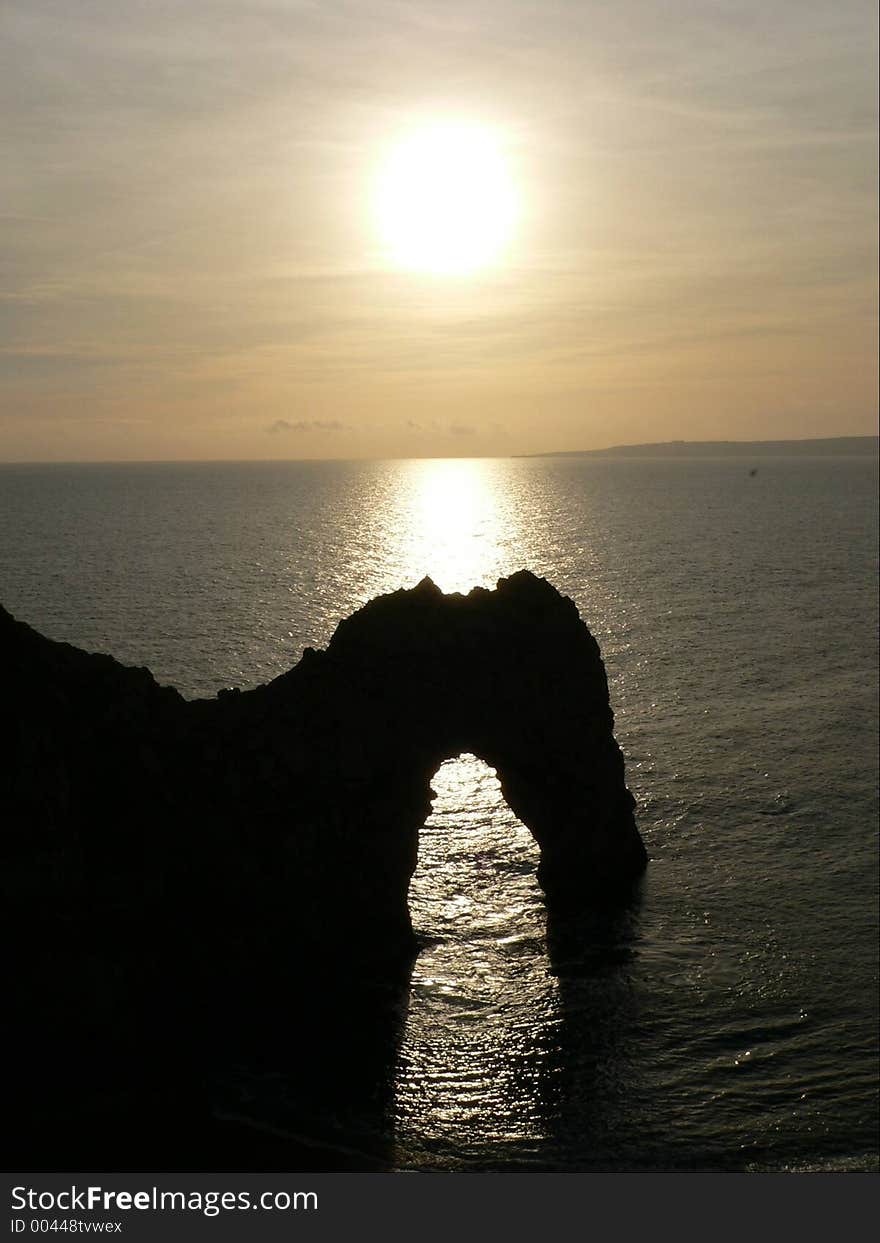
x: 445, y: 201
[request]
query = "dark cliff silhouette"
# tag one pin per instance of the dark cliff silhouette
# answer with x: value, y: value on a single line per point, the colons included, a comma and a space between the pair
x: 188, y: 877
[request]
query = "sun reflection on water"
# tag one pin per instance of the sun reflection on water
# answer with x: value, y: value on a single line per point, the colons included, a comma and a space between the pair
x: 451, y: 519
x: 471, y: 1065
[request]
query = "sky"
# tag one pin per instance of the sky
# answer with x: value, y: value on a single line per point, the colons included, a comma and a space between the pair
x: 192, y: 269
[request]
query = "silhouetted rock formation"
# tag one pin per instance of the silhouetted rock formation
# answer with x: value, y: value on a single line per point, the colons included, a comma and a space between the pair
x: 164, y: 853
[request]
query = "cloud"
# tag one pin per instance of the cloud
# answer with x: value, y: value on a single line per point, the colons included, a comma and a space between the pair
x: 307, y: 425
x: 440, y: 429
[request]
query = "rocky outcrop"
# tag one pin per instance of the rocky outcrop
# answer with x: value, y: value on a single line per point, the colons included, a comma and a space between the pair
x: 180, y: 851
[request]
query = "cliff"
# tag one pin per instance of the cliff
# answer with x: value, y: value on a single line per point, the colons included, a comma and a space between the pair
x: 163, y: 854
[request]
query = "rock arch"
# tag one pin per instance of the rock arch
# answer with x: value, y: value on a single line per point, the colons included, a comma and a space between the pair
x: 165, y: 857
x: 410, y: 680
x: 290, y: 813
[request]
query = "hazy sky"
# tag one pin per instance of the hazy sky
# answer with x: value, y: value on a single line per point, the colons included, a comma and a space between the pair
x: 191, y: 268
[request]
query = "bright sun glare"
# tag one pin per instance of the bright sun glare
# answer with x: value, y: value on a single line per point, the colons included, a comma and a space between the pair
x: 445, y: 200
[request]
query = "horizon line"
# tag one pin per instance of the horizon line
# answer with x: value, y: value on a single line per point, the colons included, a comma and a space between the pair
x: 439, y: 457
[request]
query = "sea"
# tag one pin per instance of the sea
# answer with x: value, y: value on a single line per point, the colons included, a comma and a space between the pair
x: 727, y: 1019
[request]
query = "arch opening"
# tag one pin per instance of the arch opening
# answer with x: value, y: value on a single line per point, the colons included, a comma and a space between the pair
x: 481, y: 992
x: 476, y: 859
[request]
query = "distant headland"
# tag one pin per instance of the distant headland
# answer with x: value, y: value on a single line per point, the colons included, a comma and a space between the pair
x: 829, y: 446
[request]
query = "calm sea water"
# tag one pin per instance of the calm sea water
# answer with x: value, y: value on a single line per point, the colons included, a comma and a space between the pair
x: 730, y: 1020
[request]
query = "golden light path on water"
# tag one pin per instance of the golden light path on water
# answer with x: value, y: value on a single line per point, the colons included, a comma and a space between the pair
x: 471, y: 1073
x: 449, y: 520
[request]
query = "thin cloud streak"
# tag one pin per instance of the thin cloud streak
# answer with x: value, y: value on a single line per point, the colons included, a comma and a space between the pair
x: 307, y: 425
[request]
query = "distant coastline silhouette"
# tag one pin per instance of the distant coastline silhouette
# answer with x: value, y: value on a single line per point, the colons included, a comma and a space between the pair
x: 195, y: 882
